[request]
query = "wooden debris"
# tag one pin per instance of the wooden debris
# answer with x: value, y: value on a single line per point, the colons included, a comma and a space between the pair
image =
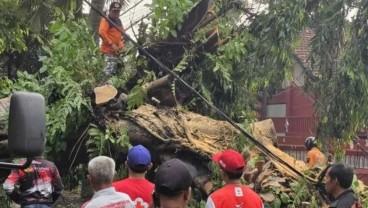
x: 104, y: 93
x: 265, y: 133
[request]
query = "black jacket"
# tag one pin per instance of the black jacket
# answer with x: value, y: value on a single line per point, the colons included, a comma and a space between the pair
x: 345, y: 200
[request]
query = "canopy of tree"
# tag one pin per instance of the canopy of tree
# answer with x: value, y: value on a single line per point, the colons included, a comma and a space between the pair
x: 234, y: 54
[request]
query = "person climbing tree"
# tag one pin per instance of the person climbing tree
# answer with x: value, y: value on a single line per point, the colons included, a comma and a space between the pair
x: 112, y: 40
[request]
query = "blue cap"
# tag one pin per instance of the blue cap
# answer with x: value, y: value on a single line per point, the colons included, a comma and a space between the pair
x: 138, y: 155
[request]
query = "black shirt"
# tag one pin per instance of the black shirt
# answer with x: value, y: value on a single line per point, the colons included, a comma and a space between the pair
x: 345, y: 200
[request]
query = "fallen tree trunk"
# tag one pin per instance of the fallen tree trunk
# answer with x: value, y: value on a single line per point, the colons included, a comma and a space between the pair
x: 170, y: 132
x: 265, y: 133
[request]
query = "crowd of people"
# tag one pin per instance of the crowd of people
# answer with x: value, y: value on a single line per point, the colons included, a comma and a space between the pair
x: 40, y: 184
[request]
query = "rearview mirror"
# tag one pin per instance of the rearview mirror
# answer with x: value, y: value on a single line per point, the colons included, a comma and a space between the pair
x: 26, y: 130
x: 27, y: 124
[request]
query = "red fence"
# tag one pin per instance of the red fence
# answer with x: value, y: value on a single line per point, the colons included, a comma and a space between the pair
x: 300, y: 127
x: 292, y: 132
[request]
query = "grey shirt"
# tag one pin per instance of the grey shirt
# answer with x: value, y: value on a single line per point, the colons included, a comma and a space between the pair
x: 109, y: 198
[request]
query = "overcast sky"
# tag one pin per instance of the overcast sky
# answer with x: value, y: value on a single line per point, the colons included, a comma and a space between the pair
x: 128, y: 17
x: 138, y: 12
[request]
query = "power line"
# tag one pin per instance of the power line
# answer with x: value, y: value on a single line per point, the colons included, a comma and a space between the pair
x: 136, y: 4
x: 260, y: 146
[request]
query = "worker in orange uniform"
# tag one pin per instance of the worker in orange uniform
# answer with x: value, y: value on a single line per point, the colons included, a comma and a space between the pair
x: 112, y: 40
x: 314, y: 155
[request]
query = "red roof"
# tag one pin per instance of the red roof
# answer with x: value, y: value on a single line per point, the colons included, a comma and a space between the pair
x: 303, y: 51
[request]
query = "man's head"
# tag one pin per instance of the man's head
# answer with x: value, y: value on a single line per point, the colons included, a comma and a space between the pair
x: 173, y: 181
x: 101, y: 171
x: 114, y: 10
x: 139, y: 159
x: 338, y: 177
x: 310, y: 142
x: 231, y: 163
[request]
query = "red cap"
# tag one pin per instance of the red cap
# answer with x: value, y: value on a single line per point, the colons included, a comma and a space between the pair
x: 230, y: 161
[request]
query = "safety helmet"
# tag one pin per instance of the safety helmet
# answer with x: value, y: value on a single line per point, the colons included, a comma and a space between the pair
x: 310, y: 142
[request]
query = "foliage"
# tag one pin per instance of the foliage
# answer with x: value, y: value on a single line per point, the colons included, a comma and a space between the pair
x: 136, y: 96
x: 72, y: 179
x: 100, y: 141
x: 122, y: 172
x: 69, y: 70
x: 12, y: 32
x: 5, y: 200
x: 73, y: 49
x: 38, y: 15
x: 217, y: 181
x: 138, y: 93
x: 303, y: 194
x: 168, y: 16
x: 361, y: 190
x: 5, y: 86
x: 339, y: 55
x: 258, y: 56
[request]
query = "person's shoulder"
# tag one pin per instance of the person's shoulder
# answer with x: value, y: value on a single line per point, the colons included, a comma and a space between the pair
x: 123, y: 195
x: 120, y: 183
x: 86, y: 204
x: 315, y: 149
x: 47, y: 163
x: 251, y: 192
x: 314, y: 152
x: 347, y: 199
x: 149, y: 183
x: 219, y: 192
x: 104, y: 20
x: 249, y: 189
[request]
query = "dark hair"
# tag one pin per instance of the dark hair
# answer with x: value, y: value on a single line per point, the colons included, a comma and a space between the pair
x: 344, y: 174
x: 138, y: 168
x: 233, y: 176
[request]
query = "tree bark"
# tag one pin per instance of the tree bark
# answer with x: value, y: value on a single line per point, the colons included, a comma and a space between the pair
x: 95, y: 18
x: 79, y: 9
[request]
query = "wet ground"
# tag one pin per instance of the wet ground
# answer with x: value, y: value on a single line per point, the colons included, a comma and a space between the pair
x: 69, y: 199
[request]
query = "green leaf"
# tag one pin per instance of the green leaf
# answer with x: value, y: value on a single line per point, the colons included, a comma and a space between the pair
x: 136, y: 97
x: 276, y: 203
x: 285, y: 198
x: 173, y: 33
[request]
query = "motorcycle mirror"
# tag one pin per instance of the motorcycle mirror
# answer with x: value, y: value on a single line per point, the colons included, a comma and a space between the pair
x: 26, y: 129
x: 27, y: 124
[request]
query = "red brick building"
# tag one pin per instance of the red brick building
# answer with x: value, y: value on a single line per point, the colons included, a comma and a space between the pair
x: 294, y: 116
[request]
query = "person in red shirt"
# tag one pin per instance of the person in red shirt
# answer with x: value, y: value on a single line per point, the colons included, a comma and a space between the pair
x: 233, y: 194
x: 136, y: 185
x: 112, y: 40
